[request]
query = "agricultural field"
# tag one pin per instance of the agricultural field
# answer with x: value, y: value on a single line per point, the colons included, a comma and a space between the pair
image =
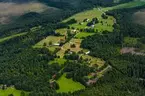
x: 12, y: 36
x: 68, y: 85
x: 13, y: 91
x: 82, y: 35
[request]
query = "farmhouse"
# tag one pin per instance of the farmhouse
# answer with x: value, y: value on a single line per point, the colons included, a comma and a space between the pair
x: 87, y: 52
x: 56, y: 44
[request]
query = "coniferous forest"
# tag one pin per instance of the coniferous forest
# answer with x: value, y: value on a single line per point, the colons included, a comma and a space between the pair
x: 33, y: 72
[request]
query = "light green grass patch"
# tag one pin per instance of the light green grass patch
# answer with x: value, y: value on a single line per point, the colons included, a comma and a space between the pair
x: 13, y: 91
x: 60, y: 61
x: 35, y: 28
x: 47, y: 40
x: 129, y: 41
x: 53, y: 39
x: 62, y: 31
x: 68, y: 85
x: 12, y: 36
x: 83, y: 34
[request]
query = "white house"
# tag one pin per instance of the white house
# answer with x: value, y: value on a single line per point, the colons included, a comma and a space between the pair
x: 87, y: 52
x: 56, y: 44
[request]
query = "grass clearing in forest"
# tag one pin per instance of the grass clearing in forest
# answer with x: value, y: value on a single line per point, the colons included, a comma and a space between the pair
x: 60, y: 61
x: 104, y: 24
x: 66, y: 46
x: 68, y: 85
x: 50, y: 42
x: 12, y: 36
x: 130, y: 41
x: 82, y: 35
x: 52, y: 39
x: 62, y: 31
x: 11, y: 90
x: 93, y: 61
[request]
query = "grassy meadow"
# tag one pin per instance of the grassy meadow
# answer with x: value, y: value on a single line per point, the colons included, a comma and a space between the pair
x: 107, y: 24
x: 60, y: 61
x: 82, y: 35
x: 68, y: 85
x: 11, y: 90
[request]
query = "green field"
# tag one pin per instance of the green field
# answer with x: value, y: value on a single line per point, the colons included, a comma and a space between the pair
x: 13, y: 36
x: 11, y: 90
x: 58, y: 60
x: 53, y: 39
x: 83, y: 35
x: 68, y: 85
x: 47, y: 40
x: 90, y: 14
x: 61, y: 31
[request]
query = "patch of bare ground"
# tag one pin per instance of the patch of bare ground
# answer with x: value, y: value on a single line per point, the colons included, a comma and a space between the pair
x: 131, y: 50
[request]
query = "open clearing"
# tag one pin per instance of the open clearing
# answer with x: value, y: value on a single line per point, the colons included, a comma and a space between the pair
x: 68, y: 85
x: 107, y: 24
x: 130, y: 41
x: 47, y: 40
x: 11, y: 90
x: 60, y: 61
x: 93, y: 61
x: 54, y: 40
x: 66, y: 46
x: 61, y: 31
x: 13, y: 36
x: 82, y: 35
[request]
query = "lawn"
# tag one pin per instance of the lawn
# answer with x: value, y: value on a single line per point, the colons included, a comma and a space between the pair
x: 68, y: 85
x: 60, y: 61
x: 11, y: 90
x: 47, y: 40
x: 82, y: 35
x: 12, y: 36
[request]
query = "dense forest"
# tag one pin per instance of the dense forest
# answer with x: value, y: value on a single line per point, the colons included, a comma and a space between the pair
x: 27, y: 68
